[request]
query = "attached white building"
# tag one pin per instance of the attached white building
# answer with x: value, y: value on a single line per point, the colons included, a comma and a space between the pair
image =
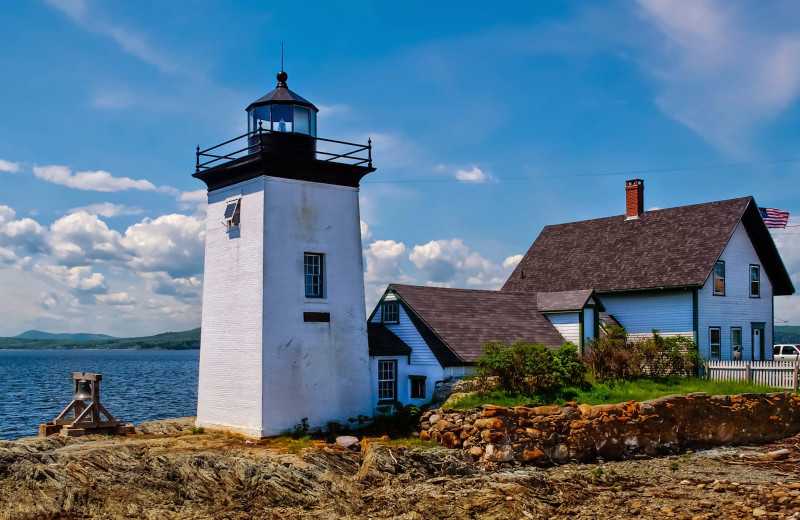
x: 707, y: 271
x: 422, y: 336
x: 283, y: 337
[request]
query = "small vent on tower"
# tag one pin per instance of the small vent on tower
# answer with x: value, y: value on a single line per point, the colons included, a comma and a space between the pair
x: 231, y: 217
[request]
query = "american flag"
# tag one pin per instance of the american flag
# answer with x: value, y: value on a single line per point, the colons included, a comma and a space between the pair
x: 774, y: 218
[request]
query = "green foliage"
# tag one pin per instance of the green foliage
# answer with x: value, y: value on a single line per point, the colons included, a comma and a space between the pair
x: 614, y: 356
x: 609, y: 356
x: 528, y: 368
x: 299, y: 430
x: 598, y: 472
x: 196, y: 430
x: 673, y: 466
x: 567, y: 367
x: 617, y: 391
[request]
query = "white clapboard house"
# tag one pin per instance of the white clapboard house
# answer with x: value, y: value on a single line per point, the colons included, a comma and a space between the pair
x: 421, y: 336
x: 706, y: 271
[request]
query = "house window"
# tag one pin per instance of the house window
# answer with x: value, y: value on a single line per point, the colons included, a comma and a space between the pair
x: 417, y: 384
x: 719, y: 278
x: 755, y: 281
x: 391, y: 312
x: 232, y: 214
x: 387, y: 379
x: 714, y: 340
x: 736, y: 343
x: 313, y: 266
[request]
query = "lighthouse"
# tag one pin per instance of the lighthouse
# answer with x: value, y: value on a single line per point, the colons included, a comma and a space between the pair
x: 283, y: 339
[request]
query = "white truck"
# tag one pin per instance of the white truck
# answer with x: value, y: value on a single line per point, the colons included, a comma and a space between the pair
x: 786, y: 352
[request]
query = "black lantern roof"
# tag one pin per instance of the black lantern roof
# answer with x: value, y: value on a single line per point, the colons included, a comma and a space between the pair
x: 282, y: 96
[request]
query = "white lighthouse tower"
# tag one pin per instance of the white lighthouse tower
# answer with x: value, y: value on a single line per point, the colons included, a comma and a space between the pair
x: 283, y: 332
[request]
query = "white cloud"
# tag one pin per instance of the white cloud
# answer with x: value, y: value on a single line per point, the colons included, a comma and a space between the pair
x: 473, y: 175
x: 181, y: 288
x: 96, y: 181
x: 366, y: 234
x: 450, y: 263
x: 81, y: 278
x: 173, y: 243
x: 718, y: 71
x: 7, y: 166
x: 130, y: 41
x: 81, y: 238
x: 120, y: 298
x: 511, y: 262
x: 441, y: 259
x: 7, y: 256
x: 382, y: 261
x: 113, y: 99
x: 25, y: 233
x: 108, y: 209
x: 193, y: 196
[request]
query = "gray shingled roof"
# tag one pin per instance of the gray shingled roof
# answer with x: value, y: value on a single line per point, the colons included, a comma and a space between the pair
x: 565, y: 300
x: 675, y: 247
x: 457, y: 323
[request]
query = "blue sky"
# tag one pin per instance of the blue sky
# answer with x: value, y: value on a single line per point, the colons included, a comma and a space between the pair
x: 487, y: 126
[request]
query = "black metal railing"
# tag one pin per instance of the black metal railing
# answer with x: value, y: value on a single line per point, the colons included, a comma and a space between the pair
x: 325, y: 149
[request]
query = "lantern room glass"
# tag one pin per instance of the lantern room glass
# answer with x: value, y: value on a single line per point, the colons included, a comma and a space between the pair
x: 283, y: 118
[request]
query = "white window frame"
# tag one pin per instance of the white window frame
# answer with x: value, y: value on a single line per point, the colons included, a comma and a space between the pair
x: 757, y: 269
x: 390, y: 317
x: 711, y: 343
x: 734, y: 345
x: 715, y: 277
x: 387, y: 380
x: 314, y: 281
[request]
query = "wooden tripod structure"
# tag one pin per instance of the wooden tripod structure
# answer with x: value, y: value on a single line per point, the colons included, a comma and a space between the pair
x: 86, y: 418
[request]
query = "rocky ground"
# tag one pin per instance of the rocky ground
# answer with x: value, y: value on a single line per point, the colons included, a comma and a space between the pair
x: 168, y: 473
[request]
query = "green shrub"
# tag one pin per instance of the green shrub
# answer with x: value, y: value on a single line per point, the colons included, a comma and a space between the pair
x: 531, y: 368
x: 613, y: 356
x: 568, y: 369
x: 609, y: 356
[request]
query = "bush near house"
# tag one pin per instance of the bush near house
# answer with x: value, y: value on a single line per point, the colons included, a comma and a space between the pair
x: 529, y: 368
x: 614, y: 356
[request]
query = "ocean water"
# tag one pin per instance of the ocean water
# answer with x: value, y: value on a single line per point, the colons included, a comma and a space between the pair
x: 137, y: 385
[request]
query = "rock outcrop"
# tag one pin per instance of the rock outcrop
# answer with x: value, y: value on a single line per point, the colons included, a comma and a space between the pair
x: 554, y: 434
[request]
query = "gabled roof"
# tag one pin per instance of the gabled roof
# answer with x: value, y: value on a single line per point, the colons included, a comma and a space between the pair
x: 457, y: 323
x: 566, y: 300
x: 667, y: 248
x: 383, y: 342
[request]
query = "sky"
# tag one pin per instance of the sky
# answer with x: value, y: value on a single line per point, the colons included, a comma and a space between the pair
x: 487, y: 125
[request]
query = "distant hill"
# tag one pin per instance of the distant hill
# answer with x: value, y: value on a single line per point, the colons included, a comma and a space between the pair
x: 185, y: 340
x: 83, y: 336
x: 787, y: 334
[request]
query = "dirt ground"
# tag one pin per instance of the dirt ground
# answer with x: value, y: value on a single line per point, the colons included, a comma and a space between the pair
x: 181, y: 476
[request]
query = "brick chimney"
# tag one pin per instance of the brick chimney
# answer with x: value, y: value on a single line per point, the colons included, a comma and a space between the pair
x: 634, y: 198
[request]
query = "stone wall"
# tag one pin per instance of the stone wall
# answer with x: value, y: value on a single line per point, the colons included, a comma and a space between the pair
x: 554, y: 434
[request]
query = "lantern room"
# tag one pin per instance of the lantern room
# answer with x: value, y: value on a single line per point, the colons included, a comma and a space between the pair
x: 283, y: 111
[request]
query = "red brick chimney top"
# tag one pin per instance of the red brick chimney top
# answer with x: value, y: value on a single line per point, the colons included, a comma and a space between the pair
x: 634, y: 198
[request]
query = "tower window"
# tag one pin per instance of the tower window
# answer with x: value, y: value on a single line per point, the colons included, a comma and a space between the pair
x: 313, y: 267
x: 391, y: 312
x: 232, y: 214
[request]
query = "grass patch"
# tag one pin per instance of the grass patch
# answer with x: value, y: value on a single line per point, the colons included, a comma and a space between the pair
x: 617, y: 392
x: 288, y: 443
x: 414, y: 442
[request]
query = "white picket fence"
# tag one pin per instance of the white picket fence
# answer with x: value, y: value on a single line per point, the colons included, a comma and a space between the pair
x: 778, y: 374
